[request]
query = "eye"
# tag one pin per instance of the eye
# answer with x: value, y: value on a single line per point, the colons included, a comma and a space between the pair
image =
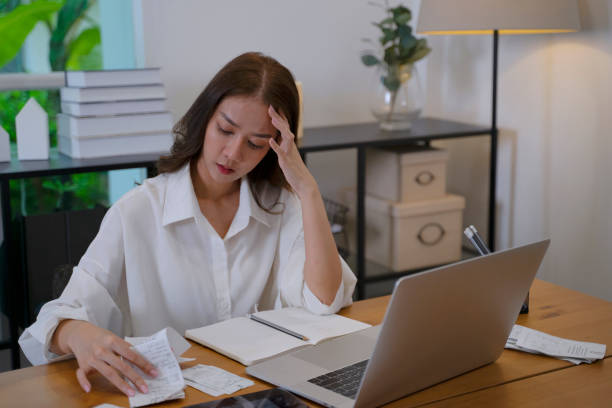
x: 225, y: 132
x: 254, y: 146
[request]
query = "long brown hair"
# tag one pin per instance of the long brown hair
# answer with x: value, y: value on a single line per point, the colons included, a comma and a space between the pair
x: 249, y: 74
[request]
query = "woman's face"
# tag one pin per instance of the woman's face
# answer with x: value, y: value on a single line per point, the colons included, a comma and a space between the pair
x: 236, y: 138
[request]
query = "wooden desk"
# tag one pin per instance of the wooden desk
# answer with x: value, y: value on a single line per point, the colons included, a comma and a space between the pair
x: 579, y: 386
x: 556, y: 310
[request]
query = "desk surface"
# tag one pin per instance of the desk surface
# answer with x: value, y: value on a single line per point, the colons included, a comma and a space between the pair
x: 580, y: 386
x: 554, y: 309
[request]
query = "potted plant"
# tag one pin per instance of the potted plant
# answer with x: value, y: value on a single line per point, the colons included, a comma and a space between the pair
x: 398, y: 98
x: 74, y: 44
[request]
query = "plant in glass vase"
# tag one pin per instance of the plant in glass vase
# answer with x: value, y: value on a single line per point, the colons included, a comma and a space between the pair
x: 398, y: 98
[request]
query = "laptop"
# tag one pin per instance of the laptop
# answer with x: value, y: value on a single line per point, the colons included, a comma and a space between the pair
x: 439, y: 323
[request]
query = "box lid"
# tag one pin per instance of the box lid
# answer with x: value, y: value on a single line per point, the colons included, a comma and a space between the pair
x: 415, y: 154
x: 449, y: 202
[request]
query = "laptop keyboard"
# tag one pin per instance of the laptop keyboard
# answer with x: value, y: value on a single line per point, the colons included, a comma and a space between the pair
x: 344, y: 381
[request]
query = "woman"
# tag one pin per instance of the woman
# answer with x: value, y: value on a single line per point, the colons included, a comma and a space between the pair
x: 234, y: 220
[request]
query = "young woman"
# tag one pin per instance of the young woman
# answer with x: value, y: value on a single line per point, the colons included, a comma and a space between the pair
x: 234, y: 220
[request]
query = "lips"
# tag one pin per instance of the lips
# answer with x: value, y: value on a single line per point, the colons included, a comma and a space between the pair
x: 224, y: 170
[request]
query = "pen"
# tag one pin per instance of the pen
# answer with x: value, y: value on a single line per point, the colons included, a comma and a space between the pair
x: 479, y: 244
x: 479, y: 239
x: 277, y: 327
x: 475, y: 239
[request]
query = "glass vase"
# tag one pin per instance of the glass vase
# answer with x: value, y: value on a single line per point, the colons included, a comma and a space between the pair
x: 396, y: 105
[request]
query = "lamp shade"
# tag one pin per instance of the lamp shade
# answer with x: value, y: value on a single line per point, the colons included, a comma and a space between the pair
x: 506, y: 16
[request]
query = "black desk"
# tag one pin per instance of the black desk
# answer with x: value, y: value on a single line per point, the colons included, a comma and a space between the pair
x: 359, y: 136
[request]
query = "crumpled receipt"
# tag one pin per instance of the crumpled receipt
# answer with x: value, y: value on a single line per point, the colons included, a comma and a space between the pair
x: 162, y: 350
x: 536, y: 342
x: 214, y: 380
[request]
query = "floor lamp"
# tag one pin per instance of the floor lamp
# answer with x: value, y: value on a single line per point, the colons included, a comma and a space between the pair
x: 443, y: 17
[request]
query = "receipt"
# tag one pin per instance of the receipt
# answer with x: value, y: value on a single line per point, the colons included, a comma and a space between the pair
x: 169, y: 383
x: 205, y: 389
x: 533, y: 341
x: 214, y: 380
x: 177, y: 343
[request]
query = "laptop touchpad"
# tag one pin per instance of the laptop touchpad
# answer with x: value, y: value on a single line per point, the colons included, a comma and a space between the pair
x: 342, y: 351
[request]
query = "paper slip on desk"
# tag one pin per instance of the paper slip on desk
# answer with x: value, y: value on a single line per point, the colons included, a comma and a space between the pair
x: 250, y: 342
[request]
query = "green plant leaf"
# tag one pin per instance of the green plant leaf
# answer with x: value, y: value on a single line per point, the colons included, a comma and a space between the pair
x: 52, y: 184
x: 388, y: 36
x: 421, y: 51
x: 391, y: 82
x: 407, y: 40
x: 401, y: 15
x: 91, y: 61
x: 386, y: 21
x: 67, y: 18
x: 391, y: 55
x: 17, y: 24
x: 81, y: 46
x: 369, y: 60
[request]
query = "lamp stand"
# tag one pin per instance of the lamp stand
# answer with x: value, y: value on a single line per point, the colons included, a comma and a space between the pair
x: 494, y: 134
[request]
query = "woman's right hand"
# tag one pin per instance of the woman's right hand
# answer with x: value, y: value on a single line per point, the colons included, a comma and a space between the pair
x: 98, y: 349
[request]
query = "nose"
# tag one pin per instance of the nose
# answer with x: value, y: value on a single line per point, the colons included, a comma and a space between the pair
x: 233, y: 149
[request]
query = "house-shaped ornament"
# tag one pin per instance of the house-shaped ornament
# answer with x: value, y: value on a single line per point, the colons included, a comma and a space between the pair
x: 5, y: 146
x: 32, y: 126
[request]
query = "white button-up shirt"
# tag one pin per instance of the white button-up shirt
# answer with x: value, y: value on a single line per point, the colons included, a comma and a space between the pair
x: 157, y: 262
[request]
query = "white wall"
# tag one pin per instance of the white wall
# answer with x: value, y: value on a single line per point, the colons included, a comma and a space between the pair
x: 318, y: 40
x: 553, y: 103
x: 554, y: 98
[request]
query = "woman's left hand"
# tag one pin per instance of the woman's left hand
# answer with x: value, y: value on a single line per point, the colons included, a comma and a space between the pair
x: 289, y: 159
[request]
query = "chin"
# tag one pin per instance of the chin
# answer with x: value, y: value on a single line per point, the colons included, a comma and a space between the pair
x: 225, y: 178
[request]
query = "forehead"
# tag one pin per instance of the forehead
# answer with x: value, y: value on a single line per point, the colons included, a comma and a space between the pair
x: 245, y: 111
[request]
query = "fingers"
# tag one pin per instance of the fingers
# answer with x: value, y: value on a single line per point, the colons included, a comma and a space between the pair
x: 82, y: 379
x: 106, y: 371
x: 281, y: 123
x: 124, y: 368
x: 111, y: 374
x: 277, y: 149
x: 124, y: 349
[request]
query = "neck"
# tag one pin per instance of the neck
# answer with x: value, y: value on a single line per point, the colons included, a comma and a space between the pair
x: 206, y: 188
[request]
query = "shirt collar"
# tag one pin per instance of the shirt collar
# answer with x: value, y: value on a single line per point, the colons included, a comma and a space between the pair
x: 181, y: 202
x: 251, y: 206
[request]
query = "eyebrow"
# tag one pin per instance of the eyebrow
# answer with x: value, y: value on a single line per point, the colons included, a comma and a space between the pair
x: 262, y: 135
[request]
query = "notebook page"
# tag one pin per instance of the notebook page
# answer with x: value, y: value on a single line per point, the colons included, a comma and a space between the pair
x: 244, y: 339
x: 317, y: 328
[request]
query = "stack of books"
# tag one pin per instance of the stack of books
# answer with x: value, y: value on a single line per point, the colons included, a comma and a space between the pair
x: 113, y: 113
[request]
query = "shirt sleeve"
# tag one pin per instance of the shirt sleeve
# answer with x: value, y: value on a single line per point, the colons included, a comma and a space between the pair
x: 344, y: 296
x: 92, y: 294
x: 293, y: 289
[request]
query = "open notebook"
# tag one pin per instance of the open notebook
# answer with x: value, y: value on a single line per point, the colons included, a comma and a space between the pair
x: 250, y: 342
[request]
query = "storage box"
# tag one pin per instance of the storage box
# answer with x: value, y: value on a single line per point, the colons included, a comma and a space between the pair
x: 411, y: 173
x: 404, y: 236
